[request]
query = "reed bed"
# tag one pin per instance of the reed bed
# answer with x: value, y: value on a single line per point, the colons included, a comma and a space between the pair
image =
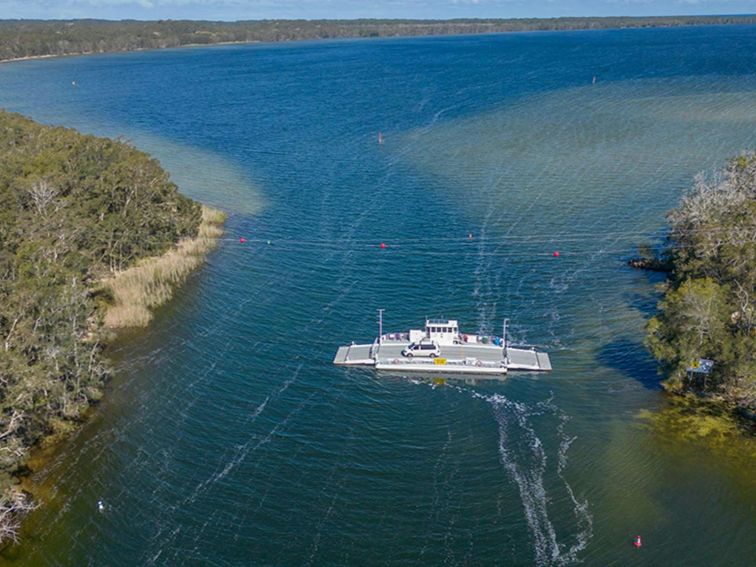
x: 138, y: 290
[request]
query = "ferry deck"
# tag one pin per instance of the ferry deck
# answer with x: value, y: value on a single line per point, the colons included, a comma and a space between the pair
x: 457, y: 352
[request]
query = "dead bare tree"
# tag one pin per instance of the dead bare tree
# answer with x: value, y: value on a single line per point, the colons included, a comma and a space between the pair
x: 43, y: 194
x: 14, y: 505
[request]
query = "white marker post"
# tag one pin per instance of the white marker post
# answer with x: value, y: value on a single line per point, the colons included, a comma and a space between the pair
x: 380, y: 325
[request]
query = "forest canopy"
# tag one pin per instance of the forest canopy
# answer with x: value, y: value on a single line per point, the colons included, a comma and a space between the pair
x: 74, y: 209
x: 707, y: 311
x: 35, y: 38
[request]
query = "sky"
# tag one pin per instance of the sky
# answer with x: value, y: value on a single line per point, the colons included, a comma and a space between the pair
x: 309, y: 9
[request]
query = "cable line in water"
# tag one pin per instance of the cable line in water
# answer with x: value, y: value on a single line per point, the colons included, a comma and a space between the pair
x: 536, y: 238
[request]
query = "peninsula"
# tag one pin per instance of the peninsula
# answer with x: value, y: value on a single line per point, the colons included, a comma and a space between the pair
x: 705, y: 331
x: 22, y: 39
x: 93, y: 237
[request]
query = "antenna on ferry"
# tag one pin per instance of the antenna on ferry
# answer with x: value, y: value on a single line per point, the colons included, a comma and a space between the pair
x: 504, y: 333
x: 380, y: 325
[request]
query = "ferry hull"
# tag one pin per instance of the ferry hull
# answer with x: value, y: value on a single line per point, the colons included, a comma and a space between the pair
x: 444, y: 368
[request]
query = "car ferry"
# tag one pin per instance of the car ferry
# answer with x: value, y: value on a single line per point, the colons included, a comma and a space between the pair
x: 440, y: 347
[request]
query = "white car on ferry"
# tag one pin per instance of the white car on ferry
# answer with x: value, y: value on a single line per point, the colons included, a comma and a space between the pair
x: 428, y: 349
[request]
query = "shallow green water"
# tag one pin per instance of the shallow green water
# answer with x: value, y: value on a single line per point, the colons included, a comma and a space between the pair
x: 228, y: 437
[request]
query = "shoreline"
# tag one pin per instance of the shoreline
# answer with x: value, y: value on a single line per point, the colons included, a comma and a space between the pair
x: 137, y: 50
x: 209, y: 232
x: 526, y: 26
x: 154, y: 273
x: 142, y: 288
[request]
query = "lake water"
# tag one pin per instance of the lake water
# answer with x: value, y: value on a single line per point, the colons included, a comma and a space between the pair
x: 229, y: 438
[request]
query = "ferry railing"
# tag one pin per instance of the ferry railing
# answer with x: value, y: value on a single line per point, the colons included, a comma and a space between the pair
x: 395, y: 337
x: 482, y: 339
x: 464, y: 337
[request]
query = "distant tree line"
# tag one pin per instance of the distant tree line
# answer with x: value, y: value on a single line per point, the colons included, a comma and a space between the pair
x: 708, y: 310
x: 73, y: 210
x: 30, y: 38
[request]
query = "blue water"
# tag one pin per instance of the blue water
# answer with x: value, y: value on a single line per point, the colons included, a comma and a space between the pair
x: 228, y: 438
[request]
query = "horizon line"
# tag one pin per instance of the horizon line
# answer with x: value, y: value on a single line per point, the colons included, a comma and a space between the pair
x: 459, y: 19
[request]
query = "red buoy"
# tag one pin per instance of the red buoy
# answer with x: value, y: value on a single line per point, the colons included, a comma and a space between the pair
x: 556, y: 254
x: 637, y: 542
x: 383, y: 245
x: 242, y: 240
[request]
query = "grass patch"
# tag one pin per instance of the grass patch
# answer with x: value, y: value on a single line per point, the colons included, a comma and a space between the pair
x: 137, y: 291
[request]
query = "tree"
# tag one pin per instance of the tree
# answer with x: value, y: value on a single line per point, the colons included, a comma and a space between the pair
x: 73, y: 209
x: 707, y: 310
